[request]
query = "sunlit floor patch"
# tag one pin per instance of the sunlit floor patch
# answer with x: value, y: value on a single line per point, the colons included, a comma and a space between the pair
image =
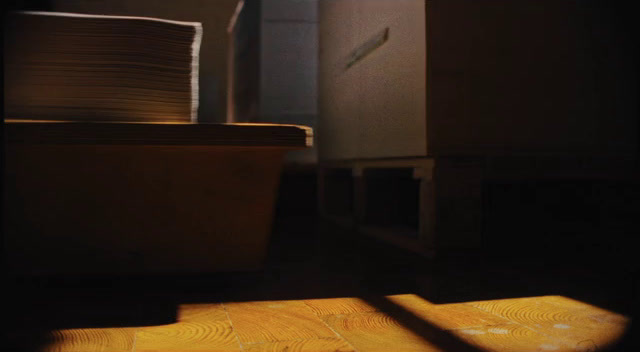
x: 405, y: 322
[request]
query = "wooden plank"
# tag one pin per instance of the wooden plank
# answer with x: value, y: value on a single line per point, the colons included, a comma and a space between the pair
x: 376, y: 331
x: 572, y: 322
x: 200, y: 327
x: 589, y: 326
x: 595, y: 331
x: 327, y: 306
x: 201, y: 312
x: 65, y: 132
x: 527, y: 311
x: 454, y: 316
x: 577, y: 307
x: 309, y: 345
x: 352, y: 324
x: 91, y: 340
x: 510, y: 337
x: 272, y: 321
x: 446, y: 316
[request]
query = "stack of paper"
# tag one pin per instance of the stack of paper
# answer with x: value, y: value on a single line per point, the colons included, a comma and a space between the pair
x: 73, y: 67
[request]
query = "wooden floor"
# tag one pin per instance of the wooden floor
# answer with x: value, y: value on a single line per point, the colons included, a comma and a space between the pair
x: 405, y: 322
x: 326, y: 289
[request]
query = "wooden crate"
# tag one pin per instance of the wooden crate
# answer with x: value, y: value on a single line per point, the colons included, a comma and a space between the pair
x: 96, y: 198
x: 459, y: 77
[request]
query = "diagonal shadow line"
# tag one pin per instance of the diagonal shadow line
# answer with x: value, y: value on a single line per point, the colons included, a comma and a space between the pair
x: 429, y: 332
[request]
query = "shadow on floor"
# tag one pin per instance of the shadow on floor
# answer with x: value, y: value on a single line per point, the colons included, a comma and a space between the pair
x: 309, y: 258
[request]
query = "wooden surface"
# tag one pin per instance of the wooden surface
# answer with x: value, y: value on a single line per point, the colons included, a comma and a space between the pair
x: 258, y: 322
x: 546, y: 323
x: 53, y: 132
x: 92, y: 340
x: 82, y: 209
x: 199, y: 327
x: 141, y: 198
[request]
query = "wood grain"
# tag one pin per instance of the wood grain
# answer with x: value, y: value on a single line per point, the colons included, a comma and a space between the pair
x: 590, y: 326
x: 375, y: 331
x: 527, y: 311
x: 272, y: 321
x: 510, y: 337
x: 577, y: 307
x: 91, y: 340
x: 201, y: 312
x: 580, y: 332
x: 574, y: 323
x: 338, y: 305
x: 547, y: 323
x: 200, y: 327
x: 310, y: 345
x: 446, y: 316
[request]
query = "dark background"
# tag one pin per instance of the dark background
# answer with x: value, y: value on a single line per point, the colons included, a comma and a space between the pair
x: 576, y: 238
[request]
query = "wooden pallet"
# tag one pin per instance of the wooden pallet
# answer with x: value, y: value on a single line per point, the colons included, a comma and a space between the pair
x: 417, y: 195
x: 450, y: 192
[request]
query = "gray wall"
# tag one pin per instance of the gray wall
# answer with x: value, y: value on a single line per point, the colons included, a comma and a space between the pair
x: 288, y: 66
x: 275, y: 66
x: 288, y: 61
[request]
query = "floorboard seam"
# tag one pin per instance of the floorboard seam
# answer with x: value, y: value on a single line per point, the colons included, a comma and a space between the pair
x: 232, y: 328
x: 135, y: 339
x: 330, y: 328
